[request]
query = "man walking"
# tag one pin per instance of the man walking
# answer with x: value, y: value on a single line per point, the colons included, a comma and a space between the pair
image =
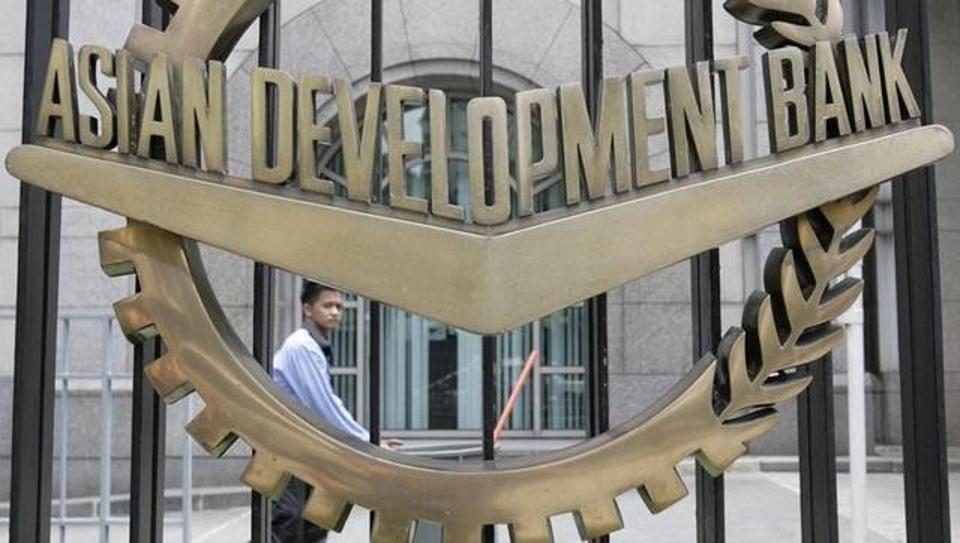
x: 302, y: 369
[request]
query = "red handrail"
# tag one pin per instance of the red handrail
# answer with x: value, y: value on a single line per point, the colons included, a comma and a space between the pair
x: 515, y: 394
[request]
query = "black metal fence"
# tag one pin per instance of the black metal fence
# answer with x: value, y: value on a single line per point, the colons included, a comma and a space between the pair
x: 923, y: 415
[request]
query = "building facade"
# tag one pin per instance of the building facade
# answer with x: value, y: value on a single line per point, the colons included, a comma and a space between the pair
x: 431, y: 372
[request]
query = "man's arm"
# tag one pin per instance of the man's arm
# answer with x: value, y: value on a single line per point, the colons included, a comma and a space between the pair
x: 304, y: 373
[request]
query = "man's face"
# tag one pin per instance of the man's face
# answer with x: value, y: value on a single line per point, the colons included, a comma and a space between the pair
x: 325, y: 311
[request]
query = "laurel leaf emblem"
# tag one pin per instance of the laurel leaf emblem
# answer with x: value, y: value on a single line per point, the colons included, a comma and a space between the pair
x: 788, y: 326
x: 802, y: 23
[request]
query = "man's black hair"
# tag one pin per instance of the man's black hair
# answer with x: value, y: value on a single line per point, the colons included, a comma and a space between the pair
x: 312, y: 290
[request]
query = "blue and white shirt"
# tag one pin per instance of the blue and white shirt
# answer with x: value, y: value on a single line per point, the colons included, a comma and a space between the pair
x: 301, y: 369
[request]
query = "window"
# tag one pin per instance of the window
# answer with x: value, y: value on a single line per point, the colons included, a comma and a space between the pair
x: 432, y: 372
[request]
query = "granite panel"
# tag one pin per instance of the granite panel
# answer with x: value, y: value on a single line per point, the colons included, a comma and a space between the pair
x: 11, y: 98
x: 615, y: 336
x: 666, y: 286
x: 658, y: 338
x: 630, y: 394
x: 83, y: 285
x: 101, y: 22
x: 658, y: 23
x: 7, y: 341
x: 230, y: 275
x: 8, y: 272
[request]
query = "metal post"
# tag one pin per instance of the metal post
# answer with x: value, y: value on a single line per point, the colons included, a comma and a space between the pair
x: 106, y: 428
x: 64, y: 426
x: 818, y: 463
x: 38, y: 271
x: 871, y: 315
x: 591, y: 56
x: 186, y: 477
x: 263, y: 275
x: 147, y: 455
x: 705, y: 289
x: 489, y: 343
x: 918, y: 310
x: 373, y: 366
x: 376, y: 325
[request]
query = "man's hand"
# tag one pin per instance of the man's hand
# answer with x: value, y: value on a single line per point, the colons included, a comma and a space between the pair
x: 391, y: 444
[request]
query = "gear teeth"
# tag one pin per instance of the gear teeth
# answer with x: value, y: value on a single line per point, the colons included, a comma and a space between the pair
x: 116, y: 259
x: 209, y: 431
x: 134, y: 319
x: 716, y: 459
x: 531, y: 531
x: 263, y: 475
x: 390, y: 528
x: 663, y: 491
x: 327, y: 510
x: 171, y: 384
x: 598, y: 519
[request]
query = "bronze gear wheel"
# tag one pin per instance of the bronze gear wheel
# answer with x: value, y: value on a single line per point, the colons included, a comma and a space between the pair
x: 722, y: 403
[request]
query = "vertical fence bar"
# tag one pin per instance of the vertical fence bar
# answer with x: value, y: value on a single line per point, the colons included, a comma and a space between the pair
x: 375, y: 329
x: 38, y: 271
x: 489, y: 342
x: 106, y: 430
x: 64, y: 354
x: 186, y: 477
x: 871, y: 315
x: 268, y: 56
x: 705, y: 289
x: 148, y: 440
x: 918, y: 309
x: 818, y: 463
x: 591, y: 74
x: 375, y: 351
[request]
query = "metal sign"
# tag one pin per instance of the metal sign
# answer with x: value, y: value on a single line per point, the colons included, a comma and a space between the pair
x: 836, y: 110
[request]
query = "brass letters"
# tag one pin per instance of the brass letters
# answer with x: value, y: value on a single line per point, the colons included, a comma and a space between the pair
x: 157, y: 118
x: 865, y: 82
x: 96, y: 132
x: 204, y: 115
x: 310, y: 133
x: 828, y: 101
x: 495, y: 207
x: 439, y: 182
x: 895, y: 84
x: 399, y: 148
x: 691, y: 120
x: 644, y: 127
x: 589, y: 151
x: 358, y: 152
x: 528, y: 171
x: 179, y: 116
x: 59, y: 100
x: 786, y: 86
x: 280, y: 171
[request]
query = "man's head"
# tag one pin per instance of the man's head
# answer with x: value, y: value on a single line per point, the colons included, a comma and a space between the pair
x: 321, y: 305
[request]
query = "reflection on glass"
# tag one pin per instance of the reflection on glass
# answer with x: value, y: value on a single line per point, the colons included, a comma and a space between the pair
x: 563, y: 402
x: 431, y: 374
x: 343, y: 340
x: 345, y: 386
x: 561, y: 337
x: 433, y: 380
x: 513, y: 348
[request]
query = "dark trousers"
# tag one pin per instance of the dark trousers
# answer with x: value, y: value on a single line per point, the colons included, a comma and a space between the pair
x: 287, y: 525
